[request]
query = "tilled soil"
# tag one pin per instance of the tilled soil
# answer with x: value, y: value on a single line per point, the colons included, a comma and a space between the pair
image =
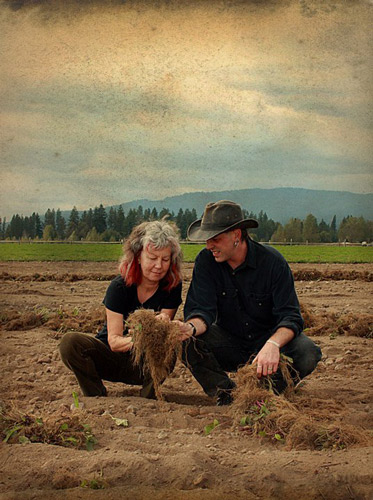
x: 164, y: 452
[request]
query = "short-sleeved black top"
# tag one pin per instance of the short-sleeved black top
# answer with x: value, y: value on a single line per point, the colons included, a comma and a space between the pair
x: 123, y: 299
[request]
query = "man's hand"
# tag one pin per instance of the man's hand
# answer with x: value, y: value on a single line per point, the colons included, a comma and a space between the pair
x: 267, y: 360
x: 185, y: 329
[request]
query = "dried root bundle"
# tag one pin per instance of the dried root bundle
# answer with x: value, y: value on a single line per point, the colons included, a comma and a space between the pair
x: 265, y: 414
x: 156, y: 345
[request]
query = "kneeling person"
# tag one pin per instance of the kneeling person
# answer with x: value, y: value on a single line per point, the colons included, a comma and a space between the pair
x: 241, y: 304
x: 150, y: 278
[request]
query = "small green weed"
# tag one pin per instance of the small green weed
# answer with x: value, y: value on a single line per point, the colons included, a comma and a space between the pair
x: 210, y: 427
x: 97, y: 483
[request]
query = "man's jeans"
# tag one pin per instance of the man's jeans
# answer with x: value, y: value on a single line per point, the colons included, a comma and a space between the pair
x: 210, y: 355
x: 93, y: 361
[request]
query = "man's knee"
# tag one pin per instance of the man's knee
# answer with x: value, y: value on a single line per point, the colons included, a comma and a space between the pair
x: 305, y: 354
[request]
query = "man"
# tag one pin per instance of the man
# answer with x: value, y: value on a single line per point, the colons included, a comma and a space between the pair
x: 241, y: 304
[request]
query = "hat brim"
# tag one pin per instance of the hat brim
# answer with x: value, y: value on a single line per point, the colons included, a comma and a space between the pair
x: 197, y: 233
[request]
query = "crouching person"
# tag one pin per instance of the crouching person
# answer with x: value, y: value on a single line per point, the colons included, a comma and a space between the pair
x: 241, y: 305
x: 150, y: 278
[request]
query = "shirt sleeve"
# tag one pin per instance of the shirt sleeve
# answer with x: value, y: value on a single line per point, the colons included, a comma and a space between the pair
x: 116, y: 296
x: 201, y: 300
x: 173, y: 300
x: 286, y: 309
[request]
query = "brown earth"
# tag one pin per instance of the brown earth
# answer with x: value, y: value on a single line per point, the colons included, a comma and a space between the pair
x: 164, y: 452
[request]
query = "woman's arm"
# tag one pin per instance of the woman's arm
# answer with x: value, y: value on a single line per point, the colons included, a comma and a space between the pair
x: 117, y: 342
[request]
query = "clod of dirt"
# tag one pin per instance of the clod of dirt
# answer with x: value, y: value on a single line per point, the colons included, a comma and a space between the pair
x: 156, y: 345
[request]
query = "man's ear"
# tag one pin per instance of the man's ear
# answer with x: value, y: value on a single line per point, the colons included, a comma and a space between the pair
x: 237, y: 234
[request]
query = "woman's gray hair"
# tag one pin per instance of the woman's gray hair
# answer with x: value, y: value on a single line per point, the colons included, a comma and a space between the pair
x: 160, y: 234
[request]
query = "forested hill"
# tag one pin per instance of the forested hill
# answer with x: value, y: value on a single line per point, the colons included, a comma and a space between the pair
x: 280, y: 204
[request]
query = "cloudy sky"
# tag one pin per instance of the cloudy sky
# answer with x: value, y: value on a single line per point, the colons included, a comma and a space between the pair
x: 111, y: 101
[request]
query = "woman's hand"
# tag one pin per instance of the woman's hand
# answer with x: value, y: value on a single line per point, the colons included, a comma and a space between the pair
x: 163, y: 316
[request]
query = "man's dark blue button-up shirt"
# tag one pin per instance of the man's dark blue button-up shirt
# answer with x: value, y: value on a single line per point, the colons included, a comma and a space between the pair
x: 252, y: 301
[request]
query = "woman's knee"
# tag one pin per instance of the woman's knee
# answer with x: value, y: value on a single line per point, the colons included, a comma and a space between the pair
x: 68, y: 345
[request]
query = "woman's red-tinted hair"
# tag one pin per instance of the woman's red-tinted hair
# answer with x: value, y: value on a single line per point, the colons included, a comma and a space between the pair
x: 131, y: 273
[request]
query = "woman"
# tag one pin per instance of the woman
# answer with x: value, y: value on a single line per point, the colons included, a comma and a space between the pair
x: 150, y: 277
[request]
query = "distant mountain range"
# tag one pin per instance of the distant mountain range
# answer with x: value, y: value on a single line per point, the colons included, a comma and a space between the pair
x: 280, y: 204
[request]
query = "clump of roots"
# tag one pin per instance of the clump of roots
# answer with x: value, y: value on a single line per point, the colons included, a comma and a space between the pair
x: 357, y: 325
x: 265, y: 414
x: 156, y: 345
x: 67, y: 431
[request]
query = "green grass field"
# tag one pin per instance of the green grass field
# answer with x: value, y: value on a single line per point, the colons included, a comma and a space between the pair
x: 97, y: 252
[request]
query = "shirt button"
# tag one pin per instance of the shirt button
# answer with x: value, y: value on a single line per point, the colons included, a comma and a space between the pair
x: 247, y: 324
x: 260, y: 303
x: 250, y: 336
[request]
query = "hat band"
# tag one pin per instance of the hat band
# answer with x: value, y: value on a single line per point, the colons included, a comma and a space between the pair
x: 214, y: 227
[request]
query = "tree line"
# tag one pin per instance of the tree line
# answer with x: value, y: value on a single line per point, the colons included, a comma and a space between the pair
x: 97, y: 224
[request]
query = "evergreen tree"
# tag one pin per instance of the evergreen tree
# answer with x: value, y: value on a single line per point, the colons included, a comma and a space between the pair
x: 38, y: 226
x: 112, y: 218
x: 130, y: 222
x: 15, y: 227
x: 147, y: 214
x: 119, y: 223
x: 139, y: 214
x: 99, y: 219
x: 50, y: 218
x: 73, y: 223
x: 324, y: 232
x: 154, y: 214
x: 333, y: 229
x: 60, y: 226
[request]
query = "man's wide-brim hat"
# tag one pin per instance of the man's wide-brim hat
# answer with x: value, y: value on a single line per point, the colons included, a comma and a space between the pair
x: 219, y: 217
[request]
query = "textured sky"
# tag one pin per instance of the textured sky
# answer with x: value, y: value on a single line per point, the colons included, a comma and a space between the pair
x: 107, y: 102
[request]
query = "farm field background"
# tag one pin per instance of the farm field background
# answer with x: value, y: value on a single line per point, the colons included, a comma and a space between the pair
x: 98, y: 252
x: 164, y: 453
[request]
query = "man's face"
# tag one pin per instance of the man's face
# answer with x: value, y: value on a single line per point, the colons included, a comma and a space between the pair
x: 222, y: 246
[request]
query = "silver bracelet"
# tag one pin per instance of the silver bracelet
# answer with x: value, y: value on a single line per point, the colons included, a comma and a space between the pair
x: 274, y: 343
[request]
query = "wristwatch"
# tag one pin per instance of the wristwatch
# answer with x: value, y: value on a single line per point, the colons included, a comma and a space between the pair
x: 194, y: 328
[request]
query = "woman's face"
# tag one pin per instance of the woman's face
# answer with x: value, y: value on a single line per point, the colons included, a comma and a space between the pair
x: 154, y: 263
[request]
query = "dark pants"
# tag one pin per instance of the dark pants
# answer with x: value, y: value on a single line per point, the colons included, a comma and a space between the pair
x: 93, y: 361
x: 216, y: 352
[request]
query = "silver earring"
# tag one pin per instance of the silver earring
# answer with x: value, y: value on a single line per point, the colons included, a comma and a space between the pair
x: 236, y: 243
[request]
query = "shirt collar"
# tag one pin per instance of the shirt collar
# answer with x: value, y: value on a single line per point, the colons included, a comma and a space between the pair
x: 250, y: 259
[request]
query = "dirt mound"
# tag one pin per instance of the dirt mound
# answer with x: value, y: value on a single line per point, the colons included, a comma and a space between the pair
x: 310, y: 274
x: 334, y: 275
x: 59, y: 277
x: 358, y: 325
x: 59, y: 320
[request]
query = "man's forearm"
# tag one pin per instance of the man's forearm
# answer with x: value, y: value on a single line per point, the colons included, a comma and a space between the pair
x: 282, y: 336
x: 199, y: 324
